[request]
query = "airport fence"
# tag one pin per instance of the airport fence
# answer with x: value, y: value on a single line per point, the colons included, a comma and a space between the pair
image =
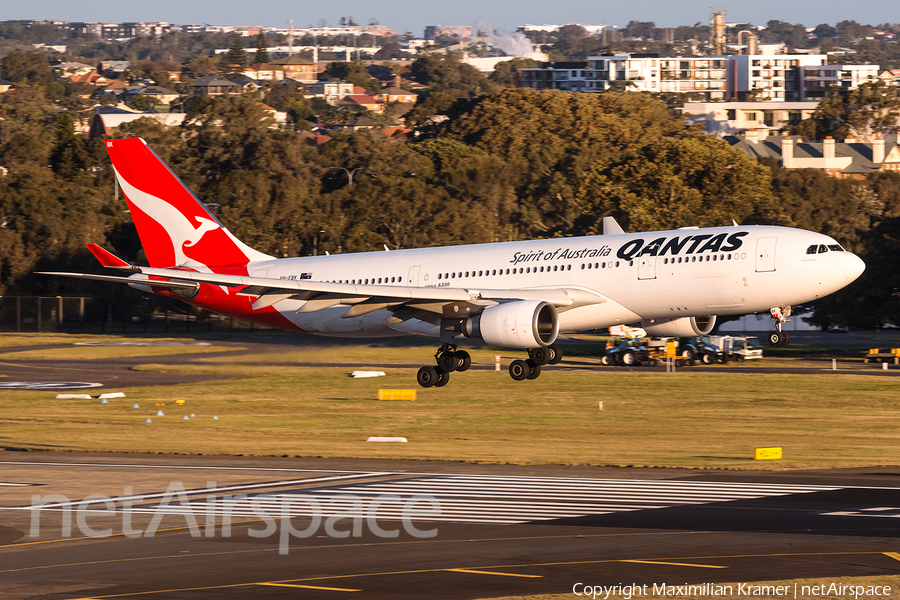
x: 110, y: 314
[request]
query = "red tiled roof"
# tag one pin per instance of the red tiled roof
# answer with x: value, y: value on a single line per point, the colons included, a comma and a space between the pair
x: 361, y: 99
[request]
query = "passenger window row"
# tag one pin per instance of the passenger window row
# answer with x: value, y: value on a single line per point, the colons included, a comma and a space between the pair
x: 513, y: 271
x: 709, y: 257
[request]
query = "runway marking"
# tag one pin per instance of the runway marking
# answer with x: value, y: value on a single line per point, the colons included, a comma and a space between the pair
x: 308, y: 587
x: 419, y: 571
x: 490, y: 499
x: 894, y: 555
x: 493, y: 573
x: 656, y: 562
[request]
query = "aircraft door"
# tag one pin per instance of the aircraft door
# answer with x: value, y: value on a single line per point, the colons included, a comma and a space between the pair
x: 413, y: 280
x: 647, y: 267
x: 765, y: 254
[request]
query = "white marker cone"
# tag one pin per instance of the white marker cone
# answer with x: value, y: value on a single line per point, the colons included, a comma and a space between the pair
x: 185, y: 418
x: 159, y: 413
x: 104, y: 401
x: 193, y: 415
x: 135, y: 406
x: 147, y: 421
x: 215, y: 418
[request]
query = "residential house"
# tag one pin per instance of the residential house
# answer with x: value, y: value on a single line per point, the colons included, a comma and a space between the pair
x: 248, y: 84
x: 114, y: 68
x: 67, y: 69
x: 849, y: 159
x: 103, y: 123
x: 213, y: 85
x: 297, y: 68
x: 395, y: 94
x: 160, y: 94
x: 331, y: 91
x: 280, y: 117
x: 315, y: 139
x: 363, y: 101
x: 357, y: 124
x: 92, y: 78
x: 5, y: 86
x: 264, y: 72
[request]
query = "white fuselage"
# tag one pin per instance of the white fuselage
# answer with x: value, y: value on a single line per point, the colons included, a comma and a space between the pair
x: 641, y: 276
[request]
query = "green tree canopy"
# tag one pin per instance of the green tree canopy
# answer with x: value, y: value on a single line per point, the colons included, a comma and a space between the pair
x: 262, y: 49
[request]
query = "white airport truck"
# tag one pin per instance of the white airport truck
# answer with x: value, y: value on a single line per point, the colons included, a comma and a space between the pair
x: 743, y: 347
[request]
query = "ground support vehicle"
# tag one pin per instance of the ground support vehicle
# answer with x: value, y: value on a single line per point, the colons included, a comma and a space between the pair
x: 738, y: 347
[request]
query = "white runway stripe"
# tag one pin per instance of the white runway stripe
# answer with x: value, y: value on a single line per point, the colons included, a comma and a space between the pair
x: 499, y: 499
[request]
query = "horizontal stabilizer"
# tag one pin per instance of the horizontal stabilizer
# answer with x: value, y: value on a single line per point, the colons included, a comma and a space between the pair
x: 107, y: 258
x: 166, y: 284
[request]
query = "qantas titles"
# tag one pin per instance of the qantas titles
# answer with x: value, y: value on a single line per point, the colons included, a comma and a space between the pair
x: 687, y: 244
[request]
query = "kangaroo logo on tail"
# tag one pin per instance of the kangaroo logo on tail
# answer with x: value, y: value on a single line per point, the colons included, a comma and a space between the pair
x: 174, y: 227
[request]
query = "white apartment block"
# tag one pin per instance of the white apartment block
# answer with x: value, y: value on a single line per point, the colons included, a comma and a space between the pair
x: 770, y: 77
x: 817, y: 80
x: 731, y: 118
x: 778, y: 78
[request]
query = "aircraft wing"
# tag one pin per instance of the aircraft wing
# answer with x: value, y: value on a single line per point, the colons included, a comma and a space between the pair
x: 360, y: 299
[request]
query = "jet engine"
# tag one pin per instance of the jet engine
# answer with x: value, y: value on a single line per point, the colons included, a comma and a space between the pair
x: 681, y: 327
x: 519, y: 324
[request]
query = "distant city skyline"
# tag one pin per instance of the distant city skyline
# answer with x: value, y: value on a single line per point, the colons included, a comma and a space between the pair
x: 406, y: 15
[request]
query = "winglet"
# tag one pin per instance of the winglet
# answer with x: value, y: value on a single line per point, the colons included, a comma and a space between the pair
x: 107, y: 259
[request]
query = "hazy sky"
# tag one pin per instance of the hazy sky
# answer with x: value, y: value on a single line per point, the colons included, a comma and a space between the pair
x: 414, y: 15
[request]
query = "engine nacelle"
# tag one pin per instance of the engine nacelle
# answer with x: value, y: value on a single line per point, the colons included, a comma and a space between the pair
x: 681, y: 327
x: 519, y: 324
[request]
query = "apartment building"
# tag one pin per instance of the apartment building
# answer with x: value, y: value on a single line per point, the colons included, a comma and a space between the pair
x: 777, y: 78
x: 570, y: 76
x: 730, y: 118
x: 818, y: 80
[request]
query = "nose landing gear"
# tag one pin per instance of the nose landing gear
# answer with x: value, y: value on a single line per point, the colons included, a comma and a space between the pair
x: 780, y: 316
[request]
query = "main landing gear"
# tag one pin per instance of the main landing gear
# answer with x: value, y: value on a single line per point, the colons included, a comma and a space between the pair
x: 448, y: 359
x: 520, y: 370
x: 780, y: 316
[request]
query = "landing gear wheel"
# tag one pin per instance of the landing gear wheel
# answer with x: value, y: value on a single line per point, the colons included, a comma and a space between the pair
x: 555, y: 354
x: 540, y: 356
x: 443, y: 378
x: 775, y: 338
x: 535, y: 369
x: 465, y: 361
x: 448, y: 361
x: 519, y: 370
x: 785, y: 338
x: 427, y: 376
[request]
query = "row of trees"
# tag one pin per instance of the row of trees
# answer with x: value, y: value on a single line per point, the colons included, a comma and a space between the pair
x: 505, y: 164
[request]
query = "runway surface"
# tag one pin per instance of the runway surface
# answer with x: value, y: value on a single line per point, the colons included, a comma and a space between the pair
x: 501, y: 530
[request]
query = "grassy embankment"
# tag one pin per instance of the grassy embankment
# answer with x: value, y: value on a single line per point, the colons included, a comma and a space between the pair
x: 695, y: 418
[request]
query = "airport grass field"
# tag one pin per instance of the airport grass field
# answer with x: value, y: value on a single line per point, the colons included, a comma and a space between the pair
x: 699, y: 418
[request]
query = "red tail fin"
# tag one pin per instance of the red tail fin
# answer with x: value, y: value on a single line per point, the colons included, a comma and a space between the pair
x: 174, y: 227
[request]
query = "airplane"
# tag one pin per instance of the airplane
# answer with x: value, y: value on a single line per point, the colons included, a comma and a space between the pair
x: 519, y: 294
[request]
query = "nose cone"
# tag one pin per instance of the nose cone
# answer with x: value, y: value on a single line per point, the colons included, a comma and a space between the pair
x: 852, y: 266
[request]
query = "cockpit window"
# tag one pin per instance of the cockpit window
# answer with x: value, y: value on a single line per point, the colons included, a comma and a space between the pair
x: 823, y: 248
x: 835, y: 248
x: 812, y: 249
